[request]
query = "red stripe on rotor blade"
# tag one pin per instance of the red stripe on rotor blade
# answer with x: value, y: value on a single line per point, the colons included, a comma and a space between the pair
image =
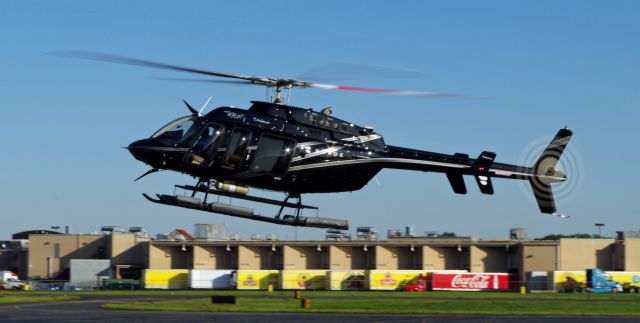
x: 364, y: 89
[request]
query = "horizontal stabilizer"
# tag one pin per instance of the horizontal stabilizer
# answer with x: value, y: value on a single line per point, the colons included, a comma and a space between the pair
x: 457, y: 183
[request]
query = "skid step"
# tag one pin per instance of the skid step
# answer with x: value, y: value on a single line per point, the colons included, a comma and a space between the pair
x: 247, y: 213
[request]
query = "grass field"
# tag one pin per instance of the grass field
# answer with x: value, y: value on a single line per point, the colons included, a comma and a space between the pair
x: 403, y: 303
x: 361, y: 302
x: 24, y: 298
x: 344, y: 294
x: 400, y: 305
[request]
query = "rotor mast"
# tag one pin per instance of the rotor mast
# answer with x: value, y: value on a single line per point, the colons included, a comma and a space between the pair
x: 278, y: 97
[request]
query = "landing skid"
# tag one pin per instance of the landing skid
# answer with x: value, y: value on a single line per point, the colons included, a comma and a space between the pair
x: 245, y: 197
x: 192, y: 202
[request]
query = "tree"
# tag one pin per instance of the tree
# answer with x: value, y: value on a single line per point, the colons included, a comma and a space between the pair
x: 569, y: 236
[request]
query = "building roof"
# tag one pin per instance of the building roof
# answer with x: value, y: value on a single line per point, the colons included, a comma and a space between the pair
x: 25, y: 234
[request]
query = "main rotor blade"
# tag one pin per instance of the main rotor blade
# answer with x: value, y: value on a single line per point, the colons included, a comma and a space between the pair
x: 342, y: 71
x: 96, y: 56
x: 240, y: 82
x: 266, y: 81
x: 381, y: 91
x: 305, y: 84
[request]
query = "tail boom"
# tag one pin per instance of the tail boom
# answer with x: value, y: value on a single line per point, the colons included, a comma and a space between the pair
x: 541, y: 175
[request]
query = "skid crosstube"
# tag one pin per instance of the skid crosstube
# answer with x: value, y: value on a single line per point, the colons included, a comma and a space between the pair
x: 247, y: 213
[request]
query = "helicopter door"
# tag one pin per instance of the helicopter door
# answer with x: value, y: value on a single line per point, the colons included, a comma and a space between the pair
x: 273, y: 155
x: 203, y: 151
x: 237, y: 148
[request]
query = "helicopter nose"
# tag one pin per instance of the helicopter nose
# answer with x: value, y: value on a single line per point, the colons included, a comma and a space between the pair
x: 145, y: 151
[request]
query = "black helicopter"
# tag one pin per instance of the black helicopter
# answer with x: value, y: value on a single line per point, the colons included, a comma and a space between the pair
x: 278, y: 147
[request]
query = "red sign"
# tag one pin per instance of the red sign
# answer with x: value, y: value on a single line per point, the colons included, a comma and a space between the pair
x: 472, y: 281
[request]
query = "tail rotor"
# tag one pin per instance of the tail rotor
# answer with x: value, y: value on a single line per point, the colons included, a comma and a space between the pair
x: 545, y: 172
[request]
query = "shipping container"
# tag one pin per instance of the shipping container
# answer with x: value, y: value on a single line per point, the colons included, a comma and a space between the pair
x: 166, y: 278
x: 473, y: 281
x: 303, y: 279
x: 348, y: 280
x: 629, y: 280
x: 392, y: 279
x: 566, y: 280
x: 398, y: 279
x: 258, y: 279
x: 212, y: 279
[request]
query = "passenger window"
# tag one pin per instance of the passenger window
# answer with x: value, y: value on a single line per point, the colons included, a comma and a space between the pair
x: 237, y: 147
x: 273, y: 155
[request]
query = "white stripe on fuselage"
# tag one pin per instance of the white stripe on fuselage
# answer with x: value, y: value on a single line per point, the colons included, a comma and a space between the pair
x: 362, y: 139
x: 326, y: 151
x: 309, y: 143
x: 331, y: 150
x: 377, y: 160
x: 401, y: 161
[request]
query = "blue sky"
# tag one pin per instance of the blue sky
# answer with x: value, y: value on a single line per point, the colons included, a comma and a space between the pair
x: 543, y: 64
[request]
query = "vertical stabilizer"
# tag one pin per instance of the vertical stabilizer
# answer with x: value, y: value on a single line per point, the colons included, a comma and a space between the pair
x: 545, y: 172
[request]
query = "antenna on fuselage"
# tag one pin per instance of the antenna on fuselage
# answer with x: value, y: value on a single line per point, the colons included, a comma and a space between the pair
x: 205, y: 105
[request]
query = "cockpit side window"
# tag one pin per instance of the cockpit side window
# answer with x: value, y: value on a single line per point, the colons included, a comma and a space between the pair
x: 202, y: 151
x: 207, y: 138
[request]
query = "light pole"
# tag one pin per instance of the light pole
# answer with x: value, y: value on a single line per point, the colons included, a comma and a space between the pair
x: 599, y: 225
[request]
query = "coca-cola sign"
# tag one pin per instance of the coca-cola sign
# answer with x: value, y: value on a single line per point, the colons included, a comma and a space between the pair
x: 475, y: 281
x: 471, y: 281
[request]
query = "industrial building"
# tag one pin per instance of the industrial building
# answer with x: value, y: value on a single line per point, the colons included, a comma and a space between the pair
x: 49, y: 255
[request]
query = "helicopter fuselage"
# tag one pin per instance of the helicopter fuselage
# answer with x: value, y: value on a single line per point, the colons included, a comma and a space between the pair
x: 294, y: 150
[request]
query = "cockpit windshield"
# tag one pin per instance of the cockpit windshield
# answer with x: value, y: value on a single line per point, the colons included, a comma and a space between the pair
x: 177, y: 131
